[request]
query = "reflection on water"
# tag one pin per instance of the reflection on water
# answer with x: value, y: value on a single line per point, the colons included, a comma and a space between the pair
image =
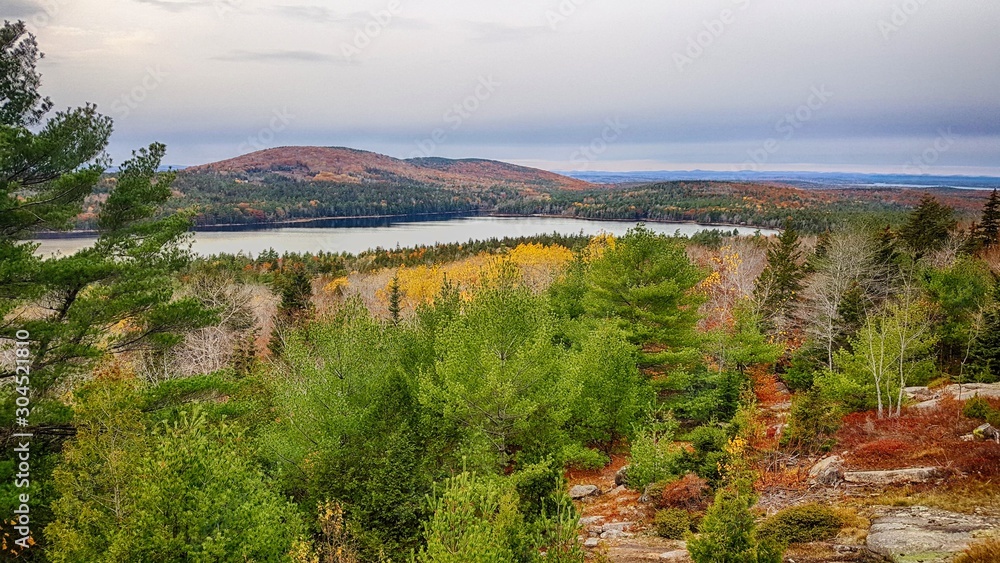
x: 403, y: 234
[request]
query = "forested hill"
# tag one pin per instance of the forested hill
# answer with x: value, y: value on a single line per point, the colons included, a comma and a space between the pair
x: 291, y: 184
x: 352, y: 166
x: 296, y: 183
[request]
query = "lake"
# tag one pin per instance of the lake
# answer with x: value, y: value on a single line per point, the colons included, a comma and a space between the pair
x: 403, y: 234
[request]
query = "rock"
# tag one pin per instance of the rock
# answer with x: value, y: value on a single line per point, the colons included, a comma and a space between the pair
x: 987, y: 432
x: 679, y: 555
x: 828, y: 471
x: 618, y: 526
x: 927, y: 405
x: 967, y: 391
x: 621, y: 475
x: 923, y: 534
x: 893, y: 477
x: 619, y: 490
x: 591, y: 543
x: 614, y: 534
x: 582, y: 491
x: 591, y: 520
x: 919, y: 393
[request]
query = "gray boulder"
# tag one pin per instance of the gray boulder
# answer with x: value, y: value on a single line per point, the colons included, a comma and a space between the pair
x: 894, y: 476
x: 828, y: 471
x: 987, y: 432
x: 923, y: 534
x: 583, y: 491
x: 967, y: 391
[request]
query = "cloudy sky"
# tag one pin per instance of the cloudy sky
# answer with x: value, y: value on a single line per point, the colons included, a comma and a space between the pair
x: 859, y: 85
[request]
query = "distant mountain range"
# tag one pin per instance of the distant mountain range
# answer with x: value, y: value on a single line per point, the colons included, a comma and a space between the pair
x: 800, y: 179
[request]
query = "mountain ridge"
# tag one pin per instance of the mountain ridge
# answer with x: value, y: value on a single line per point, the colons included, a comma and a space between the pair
x: 345, y: 165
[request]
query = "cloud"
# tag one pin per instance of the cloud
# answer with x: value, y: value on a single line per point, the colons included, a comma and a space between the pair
x: 317, y: 14
x: 175, y: 5
x: 272, y: 56
x: 492, y: 31
x: 21, y: 8
x: 321, y: 14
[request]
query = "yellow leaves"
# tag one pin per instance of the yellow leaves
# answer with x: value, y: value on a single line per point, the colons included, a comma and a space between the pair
x: 337, y: 286
x: 536, y: 265
x: 598, y: 246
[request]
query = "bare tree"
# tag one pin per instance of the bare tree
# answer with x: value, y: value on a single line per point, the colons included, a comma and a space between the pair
x: 850, y: 260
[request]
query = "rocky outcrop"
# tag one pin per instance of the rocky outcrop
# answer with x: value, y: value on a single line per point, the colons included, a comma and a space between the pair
x: 923, y: 534
x: 677, y: 556
x: 583, y: 491
x: 967, y: 391
x: 828, y: 471
x: 894, y: 476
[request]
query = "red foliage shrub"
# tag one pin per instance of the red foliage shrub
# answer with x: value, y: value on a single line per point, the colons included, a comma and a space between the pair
x: 918, y: 438
x: 881, y: 449
x: 689, y: 493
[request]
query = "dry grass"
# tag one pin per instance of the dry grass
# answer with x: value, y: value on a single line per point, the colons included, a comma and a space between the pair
x: 967, y: 495
x: 986, y: 551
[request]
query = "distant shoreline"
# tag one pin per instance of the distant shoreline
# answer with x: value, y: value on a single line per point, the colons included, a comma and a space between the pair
x: 359, y: 220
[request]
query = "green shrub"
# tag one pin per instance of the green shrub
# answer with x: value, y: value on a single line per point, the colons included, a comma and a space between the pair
x: 978, y: 408
x: 727, y: 534
x: 708, y: 444
x: 813, y: 422
x: 655, y: 458
x: 805, y: 363
x: 800, y: 524
x: 672, y: 523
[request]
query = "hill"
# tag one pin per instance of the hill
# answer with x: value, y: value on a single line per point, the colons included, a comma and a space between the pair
x: 352, y: 166
x: 289, y: 185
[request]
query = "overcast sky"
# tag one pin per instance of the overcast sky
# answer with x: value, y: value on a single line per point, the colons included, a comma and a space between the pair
x: 859, y: 85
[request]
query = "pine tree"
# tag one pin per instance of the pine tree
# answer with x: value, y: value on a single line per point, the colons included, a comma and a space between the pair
x: 116, y: 296
x: 781, y: 279
x: 395, y: 300
x: 988, y: 232
x: 928, y: 226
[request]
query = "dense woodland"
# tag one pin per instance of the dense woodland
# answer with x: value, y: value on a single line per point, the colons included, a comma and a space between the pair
x: 265, y: 196
x: 428, y: 404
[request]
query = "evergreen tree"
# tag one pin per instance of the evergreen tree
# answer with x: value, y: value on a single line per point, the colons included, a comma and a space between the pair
x: 928, y: 226
x: 115, y: 296
x: 988, y: 232
x: 294, y: 285
x: 643, y: 282
x: 395, y: 300
x: 728, y: 532
x: 781, y: 279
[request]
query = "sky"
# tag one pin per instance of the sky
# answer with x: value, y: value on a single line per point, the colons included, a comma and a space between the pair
x: 898, y: 86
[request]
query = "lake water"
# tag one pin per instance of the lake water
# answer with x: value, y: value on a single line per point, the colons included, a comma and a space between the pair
x: 403, y: 234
